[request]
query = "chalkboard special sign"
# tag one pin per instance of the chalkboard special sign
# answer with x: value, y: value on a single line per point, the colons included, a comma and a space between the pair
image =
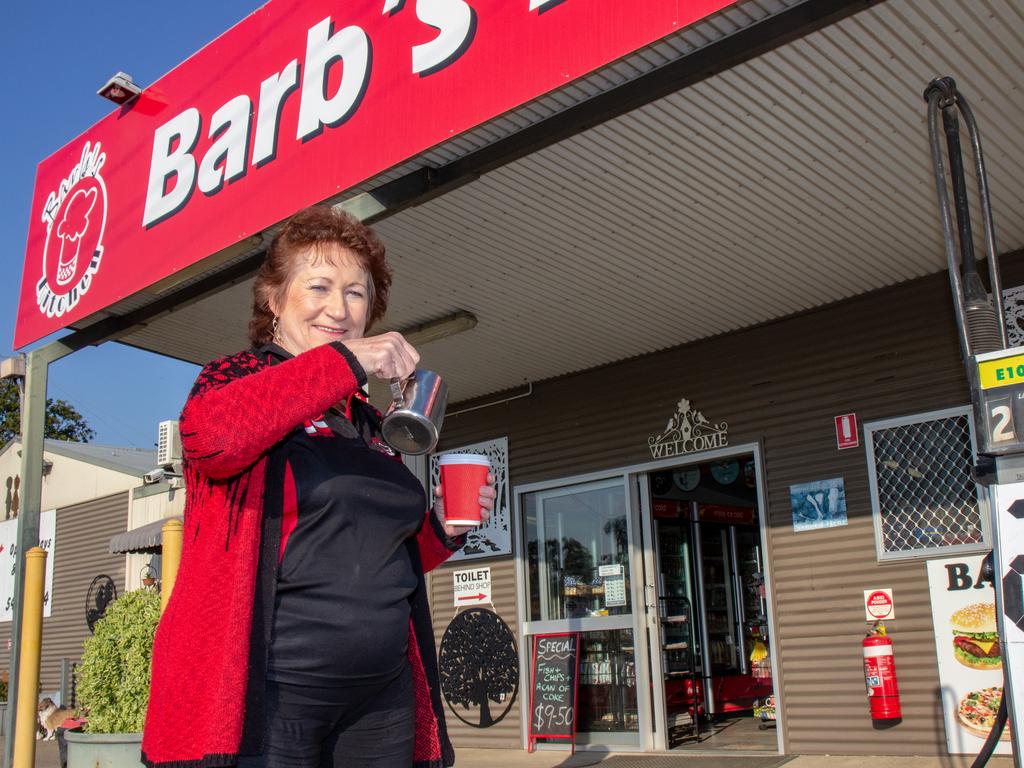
x: 553, y: 688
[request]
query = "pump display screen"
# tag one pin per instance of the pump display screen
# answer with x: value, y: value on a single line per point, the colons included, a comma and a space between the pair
x: 998, y: 393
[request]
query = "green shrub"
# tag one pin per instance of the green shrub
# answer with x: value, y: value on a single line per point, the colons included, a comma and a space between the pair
x: 113, y: 680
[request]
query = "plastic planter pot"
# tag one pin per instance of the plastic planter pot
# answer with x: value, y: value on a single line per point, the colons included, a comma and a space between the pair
x: 104, y: 750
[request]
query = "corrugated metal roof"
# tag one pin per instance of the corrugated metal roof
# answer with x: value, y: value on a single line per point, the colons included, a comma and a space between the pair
x: 130, y: 461
x: 796, y: 179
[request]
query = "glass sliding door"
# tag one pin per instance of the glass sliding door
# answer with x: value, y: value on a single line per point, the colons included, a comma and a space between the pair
x: 579, y: 579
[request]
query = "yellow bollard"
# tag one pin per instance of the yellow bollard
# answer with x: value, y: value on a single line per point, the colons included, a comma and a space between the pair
x: 28, y: 665
x: 171, y: 533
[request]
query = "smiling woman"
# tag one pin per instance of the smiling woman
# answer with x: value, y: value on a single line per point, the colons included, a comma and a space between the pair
x: 325, y: 532
x: 327, y: 300
x: 321, y: 252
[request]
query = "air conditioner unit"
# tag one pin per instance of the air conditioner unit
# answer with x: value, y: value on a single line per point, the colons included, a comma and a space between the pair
x: 168, y: 444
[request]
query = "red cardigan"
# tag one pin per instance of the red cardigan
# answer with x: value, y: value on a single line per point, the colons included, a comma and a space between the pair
x: 209, y: 656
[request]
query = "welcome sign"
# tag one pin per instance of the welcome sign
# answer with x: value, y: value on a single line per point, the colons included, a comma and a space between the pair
x: 298, y: 102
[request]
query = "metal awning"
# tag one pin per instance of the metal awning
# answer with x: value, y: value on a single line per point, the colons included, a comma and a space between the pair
x: 144, y: 539
x: 786, y: 182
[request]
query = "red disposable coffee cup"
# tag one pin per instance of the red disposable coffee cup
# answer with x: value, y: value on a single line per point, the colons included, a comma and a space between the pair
x: 462, y: 475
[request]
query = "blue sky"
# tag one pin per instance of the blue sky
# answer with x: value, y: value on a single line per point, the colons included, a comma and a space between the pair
x: 59, y: 54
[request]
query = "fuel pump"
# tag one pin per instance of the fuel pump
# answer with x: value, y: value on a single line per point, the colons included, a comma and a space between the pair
x: 996, y: 377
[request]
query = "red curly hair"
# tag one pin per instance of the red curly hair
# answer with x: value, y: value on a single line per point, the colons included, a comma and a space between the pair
x: 311, y: 227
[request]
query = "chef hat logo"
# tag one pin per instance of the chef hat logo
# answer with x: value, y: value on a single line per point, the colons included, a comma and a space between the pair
x: 72, y: 224
x: 75, y: 214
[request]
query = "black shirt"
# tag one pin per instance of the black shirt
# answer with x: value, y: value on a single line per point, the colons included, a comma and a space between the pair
x: 341, y: 614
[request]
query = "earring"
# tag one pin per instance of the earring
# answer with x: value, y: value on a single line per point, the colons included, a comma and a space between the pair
x: 274, y: 327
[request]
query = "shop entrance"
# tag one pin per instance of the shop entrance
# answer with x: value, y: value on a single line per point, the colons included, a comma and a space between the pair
x: 660, y: 568
x: 707, y: 617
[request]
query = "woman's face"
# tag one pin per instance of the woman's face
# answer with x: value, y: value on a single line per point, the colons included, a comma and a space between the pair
x: 327, y: 299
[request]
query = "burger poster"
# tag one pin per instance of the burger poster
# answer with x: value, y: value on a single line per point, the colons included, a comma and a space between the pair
x: 967, y: 645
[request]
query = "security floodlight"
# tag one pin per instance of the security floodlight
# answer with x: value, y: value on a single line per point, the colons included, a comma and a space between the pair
x: 120, y: 89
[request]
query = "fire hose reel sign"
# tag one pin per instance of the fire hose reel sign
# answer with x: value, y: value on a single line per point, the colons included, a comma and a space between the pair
x: 878, y: 604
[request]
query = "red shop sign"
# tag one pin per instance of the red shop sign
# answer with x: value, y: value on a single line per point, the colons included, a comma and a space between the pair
x: 299, y: 101
x: 666, y: 508
x: 720, y: 513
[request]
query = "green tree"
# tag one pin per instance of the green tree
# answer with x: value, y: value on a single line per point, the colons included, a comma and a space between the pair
x: 63, y: 422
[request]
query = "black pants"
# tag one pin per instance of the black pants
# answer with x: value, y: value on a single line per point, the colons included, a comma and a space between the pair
x: 310, y: 727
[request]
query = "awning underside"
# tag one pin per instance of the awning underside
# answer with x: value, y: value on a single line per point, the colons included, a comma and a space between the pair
x: 794, y: 180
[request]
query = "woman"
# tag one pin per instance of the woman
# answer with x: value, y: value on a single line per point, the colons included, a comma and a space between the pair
x: 298, y: 633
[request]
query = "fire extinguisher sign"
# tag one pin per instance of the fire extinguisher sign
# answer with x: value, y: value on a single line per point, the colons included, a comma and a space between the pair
x: 879, y: 605
x: 846, y: 431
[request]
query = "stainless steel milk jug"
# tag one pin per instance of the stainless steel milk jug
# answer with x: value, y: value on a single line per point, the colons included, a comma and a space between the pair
x: 413, y: 422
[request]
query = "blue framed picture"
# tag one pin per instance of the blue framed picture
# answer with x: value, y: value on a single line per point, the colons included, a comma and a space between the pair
x: 818, y: 504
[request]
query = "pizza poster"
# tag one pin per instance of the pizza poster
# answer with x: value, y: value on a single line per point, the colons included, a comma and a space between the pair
x: 967, y: 646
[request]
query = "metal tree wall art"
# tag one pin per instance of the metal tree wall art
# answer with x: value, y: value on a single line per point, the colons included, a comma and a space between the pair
x: 479, y: 667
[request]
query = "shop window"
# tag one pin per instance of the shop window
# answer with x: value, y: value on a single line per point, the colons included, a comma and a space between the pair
x: 607, y: 683
x: 922, y: 493
x: 577, y: 552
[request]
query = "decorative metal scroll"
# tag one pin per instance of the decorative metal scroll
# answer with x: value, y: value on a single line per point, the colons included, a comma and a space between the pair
x: 687, y: 431
x: 494, y: 538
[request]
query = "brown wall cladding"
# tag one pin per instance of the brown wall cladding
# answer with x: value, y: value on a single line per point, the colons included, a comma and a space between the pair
x: 506, y: 733
x: 886, y: 354
x: 82, y: 537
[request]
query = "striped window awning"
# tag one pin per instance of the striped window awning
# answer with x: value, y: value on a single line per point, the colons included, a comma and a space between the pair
x: 144, y: 539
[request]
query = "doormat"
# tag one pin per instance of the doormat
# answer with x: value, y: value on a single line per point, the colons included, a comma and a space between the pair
x: 674, y: 761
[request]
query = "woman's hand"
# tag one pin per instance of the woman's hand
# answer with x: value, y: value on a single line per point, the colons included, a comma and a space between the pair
x: 387, y: 356
x: 487, y: 496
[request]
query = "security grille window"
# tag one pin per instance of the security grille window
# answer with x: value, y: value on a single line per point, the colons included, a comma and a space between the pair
x: 922, y: 493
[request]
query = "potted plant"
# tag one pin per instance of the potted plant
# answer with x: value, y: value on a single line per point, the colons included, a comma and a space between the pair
x: 113, y: 684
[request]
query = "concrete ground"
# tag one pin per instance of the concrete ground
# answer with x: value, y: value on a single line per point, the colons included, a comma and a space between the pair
x: 46, y: 757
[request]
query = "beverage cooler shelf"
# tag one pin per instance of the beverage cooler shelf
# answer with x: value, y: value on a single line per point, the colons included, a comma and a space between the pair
x: 679, y: 667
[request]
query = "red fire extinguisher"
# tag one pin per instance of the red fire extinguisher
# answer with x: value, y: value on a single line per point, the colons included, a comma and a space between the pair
x: 880, y: 675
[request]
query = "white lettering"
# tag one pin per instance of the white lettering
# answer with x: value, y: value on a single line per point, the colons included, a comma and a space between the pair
x: 350, y: 46
x: 273, y: 92
x: 225, y: 159
x: 455, y: 21
x: 545, y: 645
x: 690, y: 445
x: 535, y: 4
x: 172, y: 162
